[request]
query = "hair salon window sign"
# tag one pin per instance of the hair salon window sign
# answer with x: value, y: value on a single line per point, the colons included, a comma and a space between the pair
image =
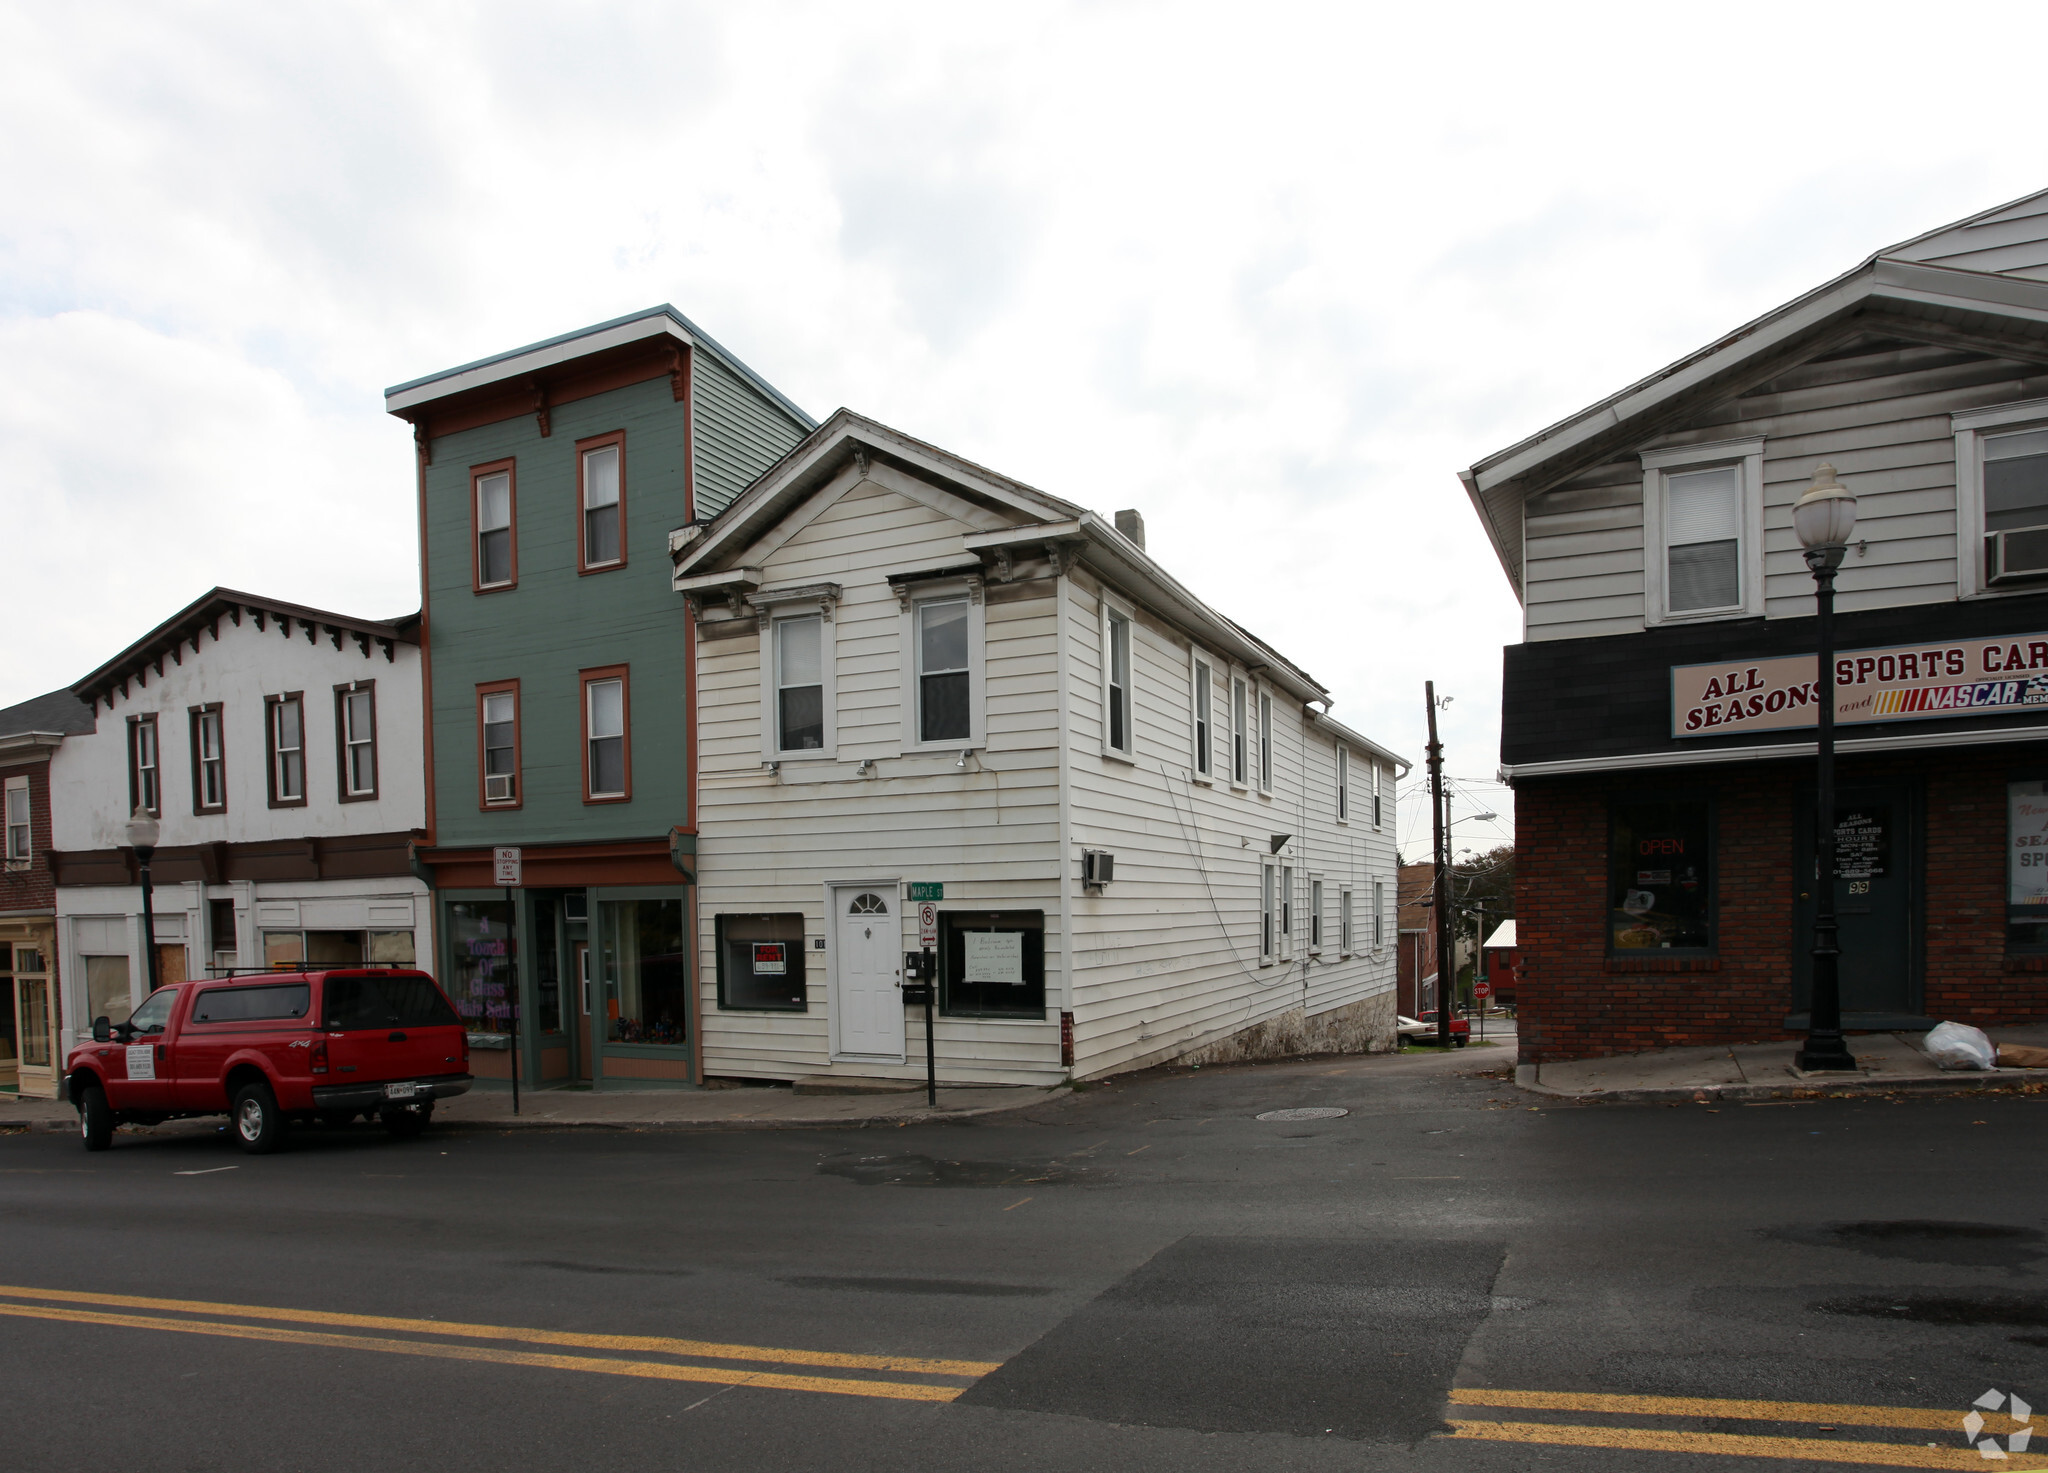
x: 1898, y: 683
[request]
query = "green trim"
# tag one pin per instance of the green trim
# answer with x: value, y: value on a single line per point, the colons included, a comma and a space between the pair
x: 648, y: 1051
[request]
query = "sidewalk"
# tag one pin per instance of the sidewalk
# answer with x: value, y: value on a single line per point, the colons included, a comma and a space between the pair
x: 1890, y: 1063
x: 764, y: 1107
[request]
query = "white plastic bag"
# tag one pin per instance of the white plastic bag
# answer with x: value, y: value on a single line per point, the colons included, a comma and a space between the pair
x: 1959, y: 1046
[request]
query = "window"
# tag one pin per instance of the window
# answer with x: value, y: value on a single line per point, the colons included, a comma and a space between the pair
x: 254, y: 1004
x: 18, y: 842
x: 107, y: 992
x: 1267, y: 939
x: 1660, y: 877
x: 385, y: 1000
x: 2026, y: 871
x: 1347, y: 941
x: 1343, y: 785
x: 800, y: 684
x: 221, y: 930
x: 992, y: 963
x: 607, y: 762
x: 1378, y: 816
x: 154, y: 1014
x: 479, y: 976
x: 761, y: 962
x: 1286, y: 910
x: 355, y: 739
x: 1379, y: 913
x: 492, y: 505
x: 1240, y: 735
x: 143, y: 767
x: 1265, y: 741
x: 646, y: 971
x: 1703, y: 516
x: 942, y: 674
x: 1315, y: 915
x: 601, y: 494
x: 209, y: 760
x: 1117, y: 683
x: 284, y: 719
x: 497, y: 739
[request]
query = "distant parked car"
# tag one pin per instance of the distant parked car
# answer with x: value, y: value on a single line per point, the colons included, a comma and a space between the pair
x: 1423, y: 1029
x: 274, y: 1048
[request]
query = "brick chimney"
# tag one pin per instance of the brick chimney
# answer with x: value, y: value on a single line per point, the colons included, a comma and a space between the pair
x: 1132, y: 526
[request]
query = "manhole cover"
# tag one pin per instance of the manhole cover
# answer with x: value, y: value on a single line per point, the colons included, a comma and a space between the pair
x: 1315, y: 1112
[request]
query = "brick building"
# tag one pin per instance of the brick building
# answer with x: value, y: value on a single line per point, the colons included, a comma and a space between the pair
x: 29, y: 733
x: 1657, y: 715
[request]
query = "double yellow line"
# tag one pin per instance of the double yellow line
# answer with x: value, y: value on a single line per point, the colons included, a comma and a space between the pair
x: 1817, y: 1415
x: 942, y: 1380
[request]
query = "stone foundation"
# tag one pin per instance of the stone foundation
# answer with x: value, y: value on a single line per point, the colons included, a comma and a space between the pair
x: 1362, y: 1027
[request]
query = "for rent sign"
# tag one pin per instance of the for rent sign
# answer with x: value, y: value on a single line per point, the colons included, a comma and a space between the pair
x: 1899, y: 683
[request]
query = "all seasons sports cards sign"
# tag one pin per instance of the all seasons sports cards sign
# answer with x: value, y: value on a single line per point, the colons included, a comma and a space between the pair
x: 1908, y: 682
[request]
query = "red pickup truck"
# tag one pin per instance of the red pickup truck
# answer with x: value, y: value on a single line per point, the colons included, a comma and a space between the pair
x: 274, y: 1048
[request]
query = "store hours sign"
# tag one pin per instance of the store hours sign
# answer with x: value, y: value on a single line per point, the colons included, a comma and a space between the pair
x: 1918, y: 682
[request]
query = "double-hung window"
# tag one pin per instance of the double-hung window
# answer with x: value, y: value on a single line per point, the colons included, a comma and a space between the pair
x: 493, y: 501
x: 1269, y: 945
x: 944, y: 713
x: 1347, y: 938
x: 1379, y: 913
x: 355, y: 739
x: 1286, y: 911
x: 19, y: 844
x: 1117, y: 682
x: 1378, y: 816
x: 2002, y: 496
x: 284, y: 719
x: 799, y: 657
x: 1703, y: 516
x: 1240, y: 735
x: 497, y: 710
x: 1315, y: 915
x: 1265, y: 741
x: 1204, y: 693
x: 601, y: 496
x: 209, y: 760
x: 607, y: 764
x: 1343, y: 785
x: 145, y: 772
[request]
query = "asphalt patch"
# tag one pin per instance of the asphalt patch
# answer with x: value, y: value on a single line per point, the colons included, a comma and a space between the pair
x: 930, y: 1171
x: 1303, y: 1336
x: 2025, y: 1311
x: 1923, y: 1240
x: 861, y: 1285
x: 563, y: 1265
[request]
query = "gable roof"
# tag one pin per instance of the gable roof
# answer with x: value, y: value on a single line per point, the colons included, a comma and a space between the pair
x: 55, y: 715
x: 712, y: 559
x: 662, y: 321
x: 203, y: 615
x: 1980, y: 283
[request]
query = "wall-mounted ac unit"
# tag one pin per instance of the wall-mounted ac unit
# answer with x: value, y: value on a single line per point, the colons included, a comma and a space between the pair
x: 2015, y: 554
x: 1098, y: 868
x: 498, y: 789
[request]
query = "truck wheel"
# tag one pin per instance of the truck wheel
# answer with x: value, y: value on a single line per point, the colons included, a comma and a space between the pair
x: 259, y: 1124
x: 95, y: 1119
x: 1460, y: 1042
x: 405, y: 1125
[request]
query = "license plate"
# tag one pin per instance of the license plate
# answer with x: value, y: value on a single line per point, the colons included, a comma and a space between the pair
x: 401, y: 1091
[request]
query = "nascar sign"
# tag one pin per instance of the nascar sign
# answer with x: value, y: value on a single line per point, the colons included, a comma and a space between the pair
x: 1899, y: 683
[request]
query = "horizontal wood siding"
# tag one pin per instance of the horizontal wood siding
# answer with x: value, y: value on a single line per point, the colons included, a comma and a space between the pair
x: 738, y: 433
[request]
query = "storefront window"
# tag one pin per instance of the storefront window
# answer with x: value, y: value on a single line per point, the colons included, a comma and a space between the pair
x: 547, y: 964
x: 646, y: 971
x: 106, y: 989
x: 480, y: 974
x: 1660, y: 877
x: 761, y: 961
x: 2026, y: 866
x: 395, y: 947
x: 992, y: 963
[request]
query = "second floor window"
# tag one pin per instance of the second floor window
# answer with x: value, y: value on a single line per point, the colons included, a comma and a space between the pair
x: 209, y: 761
x: 18, y: 843
x: 943, y: 714
x: 356, y: 723
x: 800, y: 684
x: 603, y: 529
x: 1240, y: 735
x: 1202, y: 724
x: 1343, y: 785
x: 1377, y: 817
x: 144, y: 772
x: 496, y: 557
x: 1703, y: 531
x: 287, y: 720
x: 1265, y: 742
x: 498, y: 739
x: 604, y: 715
x: 1119, y: 683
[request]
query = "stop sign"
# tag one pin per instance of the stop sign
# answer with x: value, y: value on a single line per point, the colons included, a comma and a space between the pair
x: 1482, y: 988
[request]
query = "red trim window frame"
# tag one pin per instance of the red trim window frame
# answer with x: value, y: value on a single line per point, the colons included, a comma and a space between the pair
x: 200, y: 760
x: 587, y: 679
x: 509, y: 470
x: 615, y: 440
x: 271, y: 707
x: 518, y: 774
x: 342, y: 743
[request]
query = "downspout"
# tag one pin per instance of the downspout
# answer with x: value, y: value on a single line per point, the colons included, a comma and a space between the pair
x: 1065, y: 749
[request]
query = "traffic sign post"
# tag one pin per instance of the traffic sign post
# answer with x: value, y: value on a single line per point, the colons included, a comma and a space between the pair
x: 928, y: 926
x: 509, y: 871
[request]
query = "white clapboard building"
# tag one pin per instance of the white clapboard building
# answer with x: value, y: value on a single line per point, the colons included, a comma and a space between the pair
x: 1139, y: 832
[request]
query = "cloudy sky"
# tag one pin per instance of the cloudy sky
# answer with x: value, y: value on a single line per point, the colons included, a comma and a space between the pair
x: 1271, y: 274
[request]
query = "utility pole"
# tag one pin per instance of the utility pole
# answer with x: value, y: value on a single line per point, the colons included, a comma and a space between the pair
x: 1442, y: 907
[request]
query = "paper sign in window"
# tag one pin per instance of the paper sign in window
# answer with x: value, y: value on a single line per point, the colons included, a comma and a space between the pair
x: 995, y: 956
x: 770, y: 959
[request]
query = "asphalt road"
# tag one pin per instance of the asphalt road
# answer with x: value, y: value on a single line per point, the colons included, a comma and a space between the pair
x: 1144, y: 1276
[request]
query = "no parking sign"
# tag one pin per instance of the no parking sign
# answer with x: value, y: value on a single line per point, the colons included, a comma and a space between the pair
x: 927, y: 924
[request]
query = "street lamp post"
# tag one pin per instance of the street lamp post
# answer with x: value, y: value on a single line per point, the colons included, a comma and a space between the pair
x: 143, y: 832
x: 1823, y: 518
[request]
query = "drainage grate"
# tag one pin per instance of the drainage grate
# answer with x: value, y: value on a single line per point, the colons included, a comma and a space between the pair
x: 1315, y: 1112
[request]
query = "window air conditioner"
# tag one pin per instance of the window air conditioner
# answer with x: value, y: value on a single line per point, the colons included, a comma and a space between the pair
x: 498, y: 789
x: 1098, y: 867
x: 2020, y: 552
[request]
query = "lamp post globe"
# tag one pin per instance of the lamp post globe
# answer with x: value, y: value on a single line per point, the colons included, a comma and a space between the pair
x: 1824, y: 518
x: 143, y: 832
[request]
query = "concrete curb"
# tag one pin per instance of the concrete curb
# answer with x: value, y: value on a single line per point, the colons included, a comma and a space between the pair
x: 1959, y: 1083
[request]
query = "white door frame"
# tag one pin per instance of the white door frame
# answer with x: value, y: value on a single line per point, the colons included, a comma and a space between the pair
x: 889, y: 888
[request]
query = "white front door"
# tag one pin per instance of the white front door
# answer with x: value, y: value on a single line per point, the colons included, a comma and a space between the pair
x: 866, y: 1000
